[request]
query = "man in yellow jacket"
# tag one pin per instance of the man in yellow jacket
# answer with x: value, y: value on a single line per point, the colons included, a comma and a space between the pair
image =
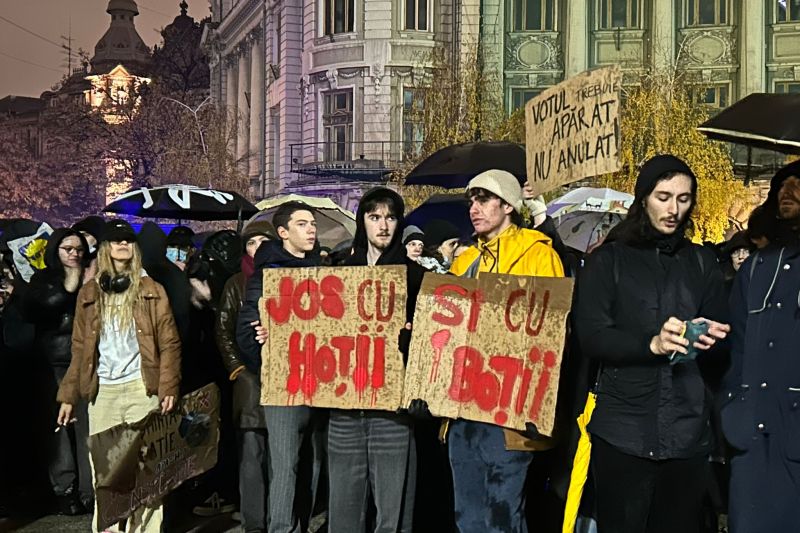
x: 489, y: 463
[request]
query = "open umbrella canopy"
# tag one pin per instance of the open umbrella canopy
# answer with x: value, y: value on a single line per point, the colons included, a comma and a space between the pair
x: 182, y: 202
x: 451, y: 207
x: 585, y: 215
x: 452, y: 167
x: 600, y: 200
x: 759, y: 120
x: 334, y: 223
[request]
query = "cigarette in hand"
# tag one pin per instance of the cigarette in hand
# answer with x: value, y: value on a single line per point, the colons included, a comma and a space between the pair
x: 65, y: 425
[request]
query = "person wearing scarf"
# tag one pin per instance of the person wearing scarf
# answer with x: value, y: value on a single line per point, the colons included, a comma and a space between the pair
x: 248, y: 414
x: 635, y: 297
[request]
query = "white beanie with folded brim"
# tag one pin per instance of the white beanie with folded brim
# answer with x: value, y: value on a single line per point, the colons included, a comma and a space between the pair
x: 502, y: 184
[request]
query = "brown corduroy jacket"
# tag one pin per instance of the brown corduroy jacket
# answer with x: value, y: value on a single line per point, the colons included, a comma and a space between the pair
x: 159, y: 344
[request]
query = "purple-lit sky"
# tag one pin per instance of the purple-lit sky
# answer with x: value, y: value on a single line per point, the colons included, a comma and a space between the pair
x: 51, y: 19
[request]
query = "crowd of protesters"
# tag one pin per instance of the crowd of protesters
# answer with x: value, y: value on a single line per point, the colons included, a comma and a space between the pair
x: 691, y: 350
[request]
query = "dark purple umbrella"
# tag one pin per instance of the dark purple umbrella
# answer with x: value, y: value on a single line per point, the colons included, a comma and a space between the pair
x: 452, y: 167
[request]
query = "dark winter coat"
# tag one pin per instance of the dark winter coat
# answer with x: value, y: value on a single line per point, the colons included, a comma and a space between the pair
x: 48, y: 305
x: 762, y: 388
x: 270, y: 254
x: 645, y: 406
x: 153, y: 244
x: 247, y: 411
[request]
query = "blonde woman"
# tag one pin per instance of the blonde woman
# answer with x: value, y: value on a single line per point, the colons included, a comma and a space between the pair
x: 125, y: 348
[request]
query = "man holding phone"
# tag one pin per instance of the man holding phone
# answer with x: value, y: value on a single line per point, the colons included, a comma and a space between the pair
x: 641, y: 299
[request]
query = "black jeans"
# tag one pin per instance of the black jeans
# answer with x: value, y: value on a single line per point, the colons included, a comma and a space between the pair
x: 637, y: 495
x: 69, y: 453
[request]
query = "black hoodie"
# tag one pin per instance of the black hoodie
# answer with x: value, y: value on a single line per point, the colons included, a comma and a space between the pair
x: 271, y: 254
x: 48, y: 305
x: 153, y: 244
x: 394, y: 254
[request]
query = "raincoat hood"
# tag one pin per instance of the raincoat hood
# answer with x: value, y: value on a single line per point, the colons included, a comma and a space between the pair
x: 153, y: 244
x: 395, y: 253
x: 508, y: 253
x: 792, y: 169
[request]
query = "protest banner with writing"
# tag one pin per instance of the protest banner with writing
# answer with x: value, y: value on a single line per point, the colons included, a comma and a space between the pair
x: 572, y: 130
x: 333, y: 337
x: 489, y: 349
x: 137, y: 464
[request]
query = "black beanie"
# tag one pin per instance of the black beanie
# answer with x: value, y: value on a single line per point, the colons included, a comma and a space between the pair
x: 437, y: 231
x: 655, y: 168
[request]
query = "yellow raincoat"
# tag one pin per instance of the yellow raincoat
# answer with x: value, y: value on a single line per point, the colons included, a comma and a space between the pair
x: 520, y: 252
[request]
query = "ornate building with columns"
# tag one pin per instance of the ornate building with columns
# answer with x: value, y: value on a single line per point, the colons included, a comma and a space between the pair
x: 321, y: 86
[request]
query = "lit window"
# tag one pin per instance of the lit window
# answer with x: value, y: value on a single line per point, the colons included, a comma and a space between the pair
x: 417, y: 15
x: 339, y: 16
x: 533, y: 15
x: 787, y: 87
x: 618, y: 14
x: 337, y: 121
x: 707, y: 12
x: 788, y: 10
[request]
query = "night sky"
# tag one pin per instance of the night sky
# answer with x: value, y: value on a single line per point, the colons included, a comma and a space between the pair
x: 51, y: 19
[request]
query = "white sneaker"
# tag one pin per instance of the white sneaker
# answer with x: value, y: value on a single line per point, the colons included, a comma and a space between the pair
x: 237, y: 517
x: 214, y: 506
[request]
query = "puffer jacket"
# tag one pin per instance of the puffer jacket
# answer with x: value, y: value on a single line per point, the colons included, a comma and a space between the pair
x: 519, y: 252
x: 159, y: 344
x: 49, y: 306
x: 247, y: 411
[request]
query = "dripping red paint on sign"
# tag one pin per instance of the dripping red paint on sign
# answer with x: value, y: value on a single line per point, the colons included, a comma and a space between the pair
x: 333, y: 337
x: 489, y: 349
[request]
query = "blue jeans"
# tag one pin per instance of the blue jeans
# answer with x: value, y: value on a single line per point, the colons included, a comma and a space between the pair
x: 488, y: 480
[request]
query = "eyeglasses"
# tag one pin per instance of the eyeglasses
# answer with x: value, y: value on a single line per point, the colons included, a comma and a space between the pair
x: 69, y: 250
x: 743, y: 253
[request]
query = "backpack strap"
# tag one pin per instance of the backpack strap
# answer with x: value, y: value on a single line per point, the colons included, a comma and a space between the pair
x: 753, y: 265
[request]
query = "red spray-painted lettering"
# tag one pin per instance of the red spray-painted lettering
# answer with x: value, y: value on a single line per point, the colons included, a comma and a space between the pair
x: 325, y: 296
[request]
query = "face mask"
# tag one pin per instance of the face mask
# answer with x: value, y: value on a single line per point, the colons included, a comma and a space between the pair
x: 176, y: 254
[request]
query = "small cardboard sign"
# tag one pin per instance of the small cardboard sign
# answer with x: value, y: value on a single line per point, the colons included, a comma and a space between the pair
x: 489, y: 349
x: 333, y: 337
x: 138, y: 464
x: 572, y: 130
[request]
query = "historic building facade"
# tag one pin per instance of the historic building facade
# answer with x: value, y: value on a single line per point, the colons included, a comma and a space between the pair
x: 320, y: 86
x: 735, y: 47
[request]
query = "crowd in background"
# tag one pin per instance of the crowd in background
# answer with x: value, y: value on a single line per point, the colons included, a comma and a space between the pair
x: 114, y: 323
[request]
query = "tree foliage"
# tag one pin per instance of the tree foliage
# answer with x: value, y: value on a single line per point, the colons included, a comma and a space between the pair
x: 659, y: 116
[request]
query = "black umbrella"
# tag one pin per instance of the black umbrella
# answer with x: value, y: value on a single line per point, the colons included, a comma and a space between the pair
x: 451, y: 207
x: 452, y: 167
x: 760, y: 120
x: 182, y: 202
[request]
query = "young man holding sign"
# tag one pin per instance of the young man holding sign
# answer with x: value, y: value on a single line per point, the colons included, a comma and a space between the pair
x: 286, y: 426
x: 373, y: 452
x: 488, y: 462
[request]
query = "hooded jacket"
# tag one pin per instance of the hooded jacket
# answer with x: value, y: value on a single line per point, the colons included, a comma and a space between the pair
x: 629, y: 287
x: 762, y: 387
x: 271, y: 254
x: 394, y: 254
x: 153, y: 245
x: 48, y: 305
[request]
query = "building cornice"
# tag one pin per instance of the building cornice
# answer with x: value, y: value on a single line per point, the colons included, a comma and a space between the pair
x: 243, y: 13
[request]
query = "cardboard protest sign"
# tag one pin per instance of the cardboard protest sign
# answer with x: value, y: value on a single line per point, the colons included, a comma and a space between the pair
x: 333, y: 337
x: 137, y: 464
x: 572, y: 130
x: 489, y: 349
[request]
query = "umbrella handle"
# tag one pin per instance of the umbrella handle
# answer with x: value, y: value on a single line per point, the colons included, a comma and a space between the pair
x: 239, y: 222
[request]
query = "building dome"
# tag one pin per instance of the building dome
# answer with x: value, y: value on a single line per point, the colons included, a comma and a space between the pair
x: 121, y: 43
